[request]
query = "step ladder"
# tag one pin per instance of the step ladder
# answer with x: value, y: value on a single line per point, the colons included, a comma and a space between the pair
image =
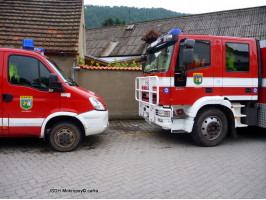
x: 238, y: 115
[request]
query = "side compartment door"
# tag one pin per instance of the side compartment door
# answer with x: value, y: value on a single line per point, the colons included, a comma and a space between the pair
x: 196, y: 80
x: 26, y: 82
x: 240, y: 70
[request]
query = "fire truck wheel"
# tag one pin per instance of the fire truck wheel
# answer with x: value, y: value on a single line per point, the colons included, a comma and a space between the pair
x: 210, y: 127
x: 65, y: 136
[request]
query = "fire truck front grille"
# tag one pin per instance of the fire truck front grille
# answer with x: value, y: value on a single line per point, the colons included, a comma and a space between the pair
x: 145, y: 97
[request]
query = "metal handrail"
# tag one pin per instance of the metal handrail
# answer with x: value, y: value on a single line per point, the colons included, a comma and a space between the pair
x: 150, y: 91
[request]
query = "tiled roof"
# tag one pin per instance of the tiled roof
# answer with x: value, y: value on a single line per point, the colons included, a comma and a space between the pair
x: 249, y: 22
x: 52, y: 24
x: 111, y: 68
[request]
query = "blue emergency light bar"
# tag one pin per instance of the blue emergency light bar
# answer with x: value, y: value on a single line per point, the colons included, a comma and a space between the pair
x: 171, y: 36
x: 28, y: 44
x: 174, y: 31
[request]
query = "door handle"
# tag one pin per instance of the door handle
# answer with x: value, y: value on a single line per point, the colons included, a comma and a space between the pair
x: 248, y: 90
x: 7, y: 97
x: 208, y: 90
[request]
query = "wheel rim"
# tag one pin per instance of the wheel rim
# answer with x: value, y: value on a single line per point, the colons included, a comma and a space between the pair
x: 211, y: 128
x: 64, y: 137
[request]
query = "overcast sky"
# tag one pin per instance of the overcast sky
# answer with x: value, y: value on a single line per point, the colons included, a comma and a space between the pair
x: 184, y: 6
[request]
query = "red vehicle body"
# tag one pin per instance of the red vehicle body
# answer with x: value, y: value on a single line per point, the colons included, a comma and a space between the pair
x: 37, y: 100
x: 203, y: 85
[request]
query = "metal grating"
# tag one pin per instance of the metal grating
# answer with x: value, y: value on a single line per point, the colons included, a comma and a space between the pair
x: 262, y: 115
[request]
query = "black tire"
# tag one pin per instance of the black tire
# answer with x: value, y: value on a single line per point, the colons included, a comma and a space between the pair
x: 65, y: 136
x: 210, y: 127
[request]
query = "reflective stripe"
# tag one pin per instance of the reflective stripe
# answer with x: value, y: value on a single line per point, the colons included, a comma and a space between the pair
x: 5, y: 121
x: 22, y: 122
x: 240, y: 82
x: 213, y: 82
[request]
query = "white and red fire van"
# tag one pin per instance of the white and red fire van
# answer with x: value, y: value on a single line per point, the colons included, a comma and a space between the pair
x: 38, y: 100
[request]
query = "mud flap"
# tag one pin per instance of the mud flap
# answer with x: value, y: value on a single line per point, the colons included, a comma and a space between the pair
x: 233, y: 132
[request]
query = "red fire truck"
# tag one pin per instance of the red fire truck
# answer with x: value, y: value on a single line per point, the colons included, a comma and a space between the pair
x: 204, y: 85
x: 38, y: 100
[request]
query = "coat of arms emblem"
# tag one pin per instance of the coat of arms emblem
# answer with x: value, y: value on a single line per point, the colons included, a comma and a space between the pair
x: 26, y: 102
x: 197, y: 78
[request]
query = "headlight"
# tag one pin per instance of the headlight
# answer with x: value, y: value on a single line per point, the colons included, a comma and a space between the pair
x: 96, y: 103
x: 163, y: 113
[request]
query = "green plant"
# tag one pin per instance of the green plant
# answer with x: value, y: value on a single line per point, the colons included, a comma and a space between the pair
x: 125, y: 64
x: 117, y: 64
x: 133, y: 64
x: 81, y: 60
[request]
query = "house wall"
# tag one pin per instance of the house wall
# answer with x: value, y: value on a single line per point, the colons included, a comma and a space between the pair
x: 117, y: 88
x: 82, y: 34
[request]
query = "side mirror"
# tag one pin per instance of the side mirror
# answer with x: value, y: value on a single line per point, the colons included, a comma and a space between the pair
x: 188, y: 52
x: 143, y: 57
x: 143, y: 64
x: 189, y: 43
x: 54, y: 84
x: 188, y: 56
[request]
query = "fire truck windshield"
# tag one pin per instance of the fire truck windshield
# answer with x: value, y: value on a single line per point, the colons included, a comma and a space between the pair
x: 159, y: 59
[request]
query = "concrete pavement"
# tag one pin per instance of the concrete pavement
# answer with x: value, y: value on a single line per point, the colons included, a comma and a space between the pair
x: 134, y: 159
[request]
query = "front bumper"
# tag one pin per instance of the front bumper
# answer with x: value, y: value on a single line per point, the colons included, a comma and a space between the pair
x: 150, y: 113
x: 94, y: 122
x: 176, y: 124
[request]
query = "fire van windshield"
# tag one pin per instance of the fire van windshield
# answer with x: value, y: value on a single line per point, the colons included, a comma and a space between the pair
x: 159, y: 59
x: 65, y: 78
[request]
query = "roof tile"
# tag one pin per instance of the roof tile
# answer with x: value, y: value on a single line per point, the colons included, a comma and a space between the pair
x: 52, y: 24
x: 111, y: 68
x: 249, y: 22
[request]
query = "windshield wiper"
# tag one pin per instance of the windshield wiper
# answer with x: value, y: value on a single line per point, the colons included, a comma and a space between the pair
x: 153, y: 70
x: 73, y: 82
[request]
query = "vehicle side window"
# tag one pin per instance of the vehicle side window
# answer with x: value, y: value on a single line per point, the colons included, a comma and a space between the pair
x: 44, y: 77
x: 28, y: 71
x: 237, y: 57
x: 201, y: 55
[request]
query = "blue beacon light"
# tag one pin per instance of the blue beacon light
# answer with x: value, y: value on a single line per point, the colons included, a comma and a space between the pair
x: 174, y: 31
x: 28, y: 44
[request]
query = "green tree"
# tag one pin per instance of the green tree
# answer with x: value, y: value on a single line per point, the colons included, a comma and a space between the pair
x: 96, y: 15
x: 108, y: 22
x: 117, y: 21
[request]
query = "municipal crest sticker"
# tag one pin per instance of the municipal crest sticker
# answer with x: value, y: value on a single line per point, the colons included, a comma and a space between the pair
x: 198, y: 78
x: 166, y: 90
x: 26, y: 102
